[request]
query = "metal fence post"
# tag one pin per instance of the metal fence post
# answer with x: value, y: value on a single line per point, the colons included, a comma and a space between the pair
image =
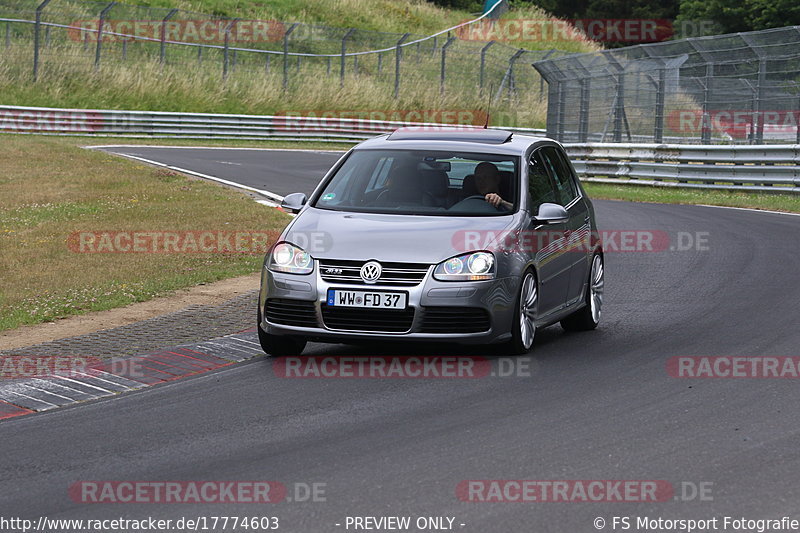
x: 266, y: 65
x: 443, y: 74
x: 98, y: 48
x: 508, y: 77
x: 398, y: 51
x: 227, y: 32
x: 562, y: 111
x: 583, y: 121
x: 286, y: 55
x: 47, y: 37
x: 8, y: 35
x: 347, y: 34
x: 751, y: 135
x: 705, y: 125
x: 163, y: 53
x: 329, y: 67
x: 762, y: 79
x: 619, y: 108
x: 797, y: 119
x: 380, y: 63
x: 124, y: 48
x: 199, y: 55
x: 541, y: 78
x: 483, y: 63
x: 658, y: 133
x: 355, y: 65
x: 36, y: 30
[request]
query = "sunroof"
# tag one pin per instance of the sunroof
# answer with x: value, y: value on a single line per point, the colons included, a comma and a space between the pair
x: 470, y: 135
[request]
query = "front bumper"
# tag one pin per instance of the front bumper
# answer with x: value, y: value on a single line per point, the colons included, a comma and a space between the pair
x: 478, y: 312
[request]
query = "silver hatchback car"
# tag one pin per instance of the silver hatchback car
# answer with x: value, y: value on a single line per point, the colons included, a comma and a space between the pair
x: 461, y: 235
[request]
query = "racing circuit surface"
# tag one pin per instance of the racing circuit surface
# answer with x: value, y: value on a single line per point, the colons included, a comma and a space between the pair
x: 595, y: 406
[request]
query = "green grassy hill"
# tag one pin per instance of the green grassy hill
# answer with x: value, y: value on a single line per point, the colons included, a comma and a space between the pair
x: 131, y: 77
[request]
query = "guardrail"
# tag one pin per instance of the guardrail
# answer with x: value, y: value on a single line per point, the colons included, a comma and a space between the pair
x: 772, y: 168
x: 164, y: 124
x: 766, y: 168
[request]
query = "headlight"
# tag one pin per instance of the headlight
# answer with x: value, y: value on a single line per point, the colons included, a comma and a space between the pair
x: 287, y: 257
x: 474, y: 266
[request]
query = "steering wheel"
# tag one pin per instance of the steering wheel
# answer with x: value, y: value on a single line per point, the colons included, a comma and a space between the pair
x: 475, y: 197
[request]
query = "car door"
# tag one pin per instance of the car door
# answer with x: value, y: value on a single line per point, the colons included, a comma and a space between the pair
x: 577, y: 229
x: 548, y: 241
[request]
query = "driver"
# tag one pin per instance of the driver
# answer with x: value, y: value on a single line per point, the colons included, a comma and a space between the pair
x: 487, y: 182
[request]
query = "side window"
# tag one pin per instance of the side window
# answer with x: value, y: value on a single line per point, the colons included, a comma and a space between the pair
x: 565, y: 187
x: 569, y: 173
x: 540, y: 186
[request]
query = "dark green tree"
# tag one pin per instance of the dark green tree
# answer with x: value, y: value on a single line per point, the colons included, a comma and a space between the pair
x: 742, y: 15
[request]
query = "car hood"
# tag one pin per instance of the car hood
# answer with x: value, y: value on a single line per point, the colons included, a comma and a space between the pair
x: 398, y: 238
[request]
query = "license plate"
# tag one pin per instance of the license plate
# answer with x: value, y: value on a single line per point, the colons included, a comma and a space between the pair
x: 371, y: 299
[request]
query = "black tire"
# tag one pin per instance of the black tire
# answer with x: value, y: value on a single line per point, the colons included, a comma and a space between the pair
x: 278, y: 345
x: 518, y: 345
x: 585, y: 319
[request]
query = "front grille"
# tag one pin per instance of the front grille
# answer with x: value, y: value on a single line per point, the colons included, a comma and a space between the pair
x: 291, y: 312
x: 454, y: 320
x: 375, y: 320
x: 342, y: 271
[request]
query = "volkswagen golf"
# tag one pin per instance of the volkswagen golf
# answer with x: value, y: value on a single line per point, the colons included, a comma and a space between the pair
x: 457, y: 235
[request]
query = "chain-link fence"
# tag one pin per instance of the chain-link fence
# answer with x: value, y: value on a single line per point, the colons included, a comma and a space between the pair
x: 63, y: 35
x: 737, y: 88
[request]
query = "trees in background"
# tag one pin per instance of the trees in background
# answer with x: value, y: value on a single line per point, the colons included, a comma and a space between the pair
x: 724, y: 16
x: 737, y: 15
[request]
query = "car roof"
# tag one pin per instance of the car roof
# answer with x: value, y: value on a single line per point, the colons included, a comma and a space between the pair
x: 492, y: 141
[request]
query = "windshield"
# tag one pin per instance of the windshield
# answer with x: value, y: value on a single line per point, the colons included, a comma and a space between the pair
x: 421, y: 182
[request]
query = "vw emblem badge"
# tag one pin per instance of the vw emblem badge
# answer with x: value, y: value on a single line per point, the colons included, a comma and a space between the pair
x: 371, y: 271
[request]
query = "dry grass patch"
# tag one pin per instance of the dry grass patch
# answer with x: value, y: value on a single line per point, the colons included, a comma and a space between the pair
x: 51, y: 189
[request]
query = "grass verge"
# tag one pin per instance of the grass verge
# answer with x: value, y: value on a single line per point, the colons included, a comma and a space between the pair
x: 52, y: 188
x: 789, y: 203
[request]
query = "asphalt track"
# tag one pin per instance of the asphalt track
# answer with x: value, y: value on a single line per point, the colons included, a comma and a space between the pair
x: 596, y: 406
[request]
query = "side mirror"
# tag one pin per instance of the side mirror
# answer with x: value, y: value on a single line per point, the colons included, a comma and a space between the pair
x: 294, y: 202
x: 551, y: 214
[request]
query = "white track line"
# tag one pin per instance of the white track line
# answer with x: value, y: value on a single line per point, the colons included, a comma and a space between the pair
x: 276, y: 199
x: 750, y: 209
x: 84, y: 384
x: 213, y: 148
